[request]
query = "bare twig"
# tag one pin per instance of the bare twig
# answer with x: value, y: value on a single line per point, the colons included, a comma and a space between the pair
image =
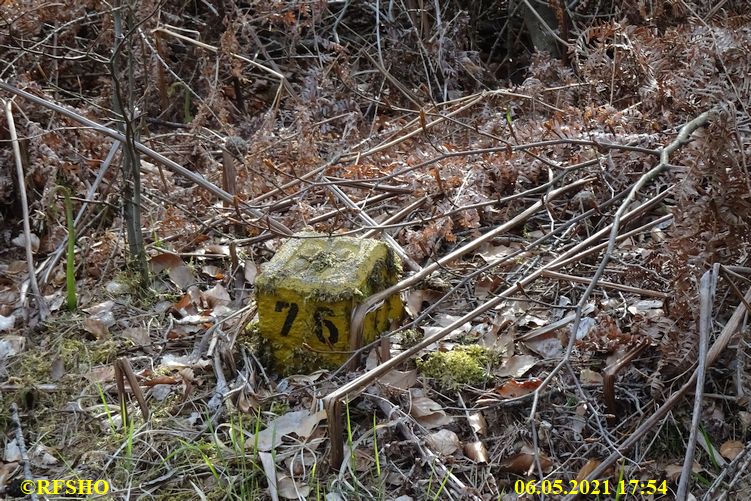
x: 21, y: 443
x: 663, y: 164
x: 707, y: 287
x: 41, y: 304
x: 730, y: 329
x: 173, y: 166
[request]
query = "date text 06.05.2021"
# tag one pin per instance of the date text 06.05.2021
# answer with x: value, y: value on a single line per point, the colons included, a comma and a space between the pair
x: 594, y: 487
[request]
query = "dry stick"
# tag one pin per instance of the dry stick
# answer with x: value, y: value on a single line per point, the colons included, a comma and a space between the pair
x: 683, y: 137
x: 50, y: 263
x: 636, y: 213
x: 707, y: 287
x: 426, y: 454
x: 714, y: 354
x: 332, y: 401
x: 607, y: 285
x: 283, y: 83
x: 22, y: 447
x: 740, y: 464
x: 173, y: 166
x: 369, y: 220
x: 318, y: 170
x: 414, y: 132
x: 397, y: 217
x: 359, y: 312
x: 41, y: 304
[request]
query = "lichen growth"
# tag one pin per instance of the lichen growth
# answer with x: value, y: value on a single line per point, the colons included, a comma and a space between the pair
x: 464, y: 365
x: 410, y: 337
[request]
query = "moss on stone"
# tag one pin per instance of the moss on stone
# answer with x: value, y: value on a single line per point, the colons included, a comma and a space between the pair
x: 464, y: 365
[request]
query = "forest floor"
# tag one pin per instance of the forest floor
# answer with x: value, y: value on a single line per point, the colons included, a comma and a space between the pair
x: 569, y: 238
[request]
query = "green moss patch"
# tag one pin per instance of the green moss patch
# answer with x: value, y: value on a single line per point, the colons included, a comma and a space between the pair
x: 464, y: 365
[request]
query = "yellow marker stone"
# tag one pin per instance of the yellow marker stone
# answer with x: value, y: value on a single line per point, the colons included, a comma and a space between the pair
x: 306, y: 294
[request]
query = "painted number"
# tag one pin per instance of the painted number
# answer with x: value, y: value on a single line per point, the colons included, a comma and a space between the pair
x: 321, y: 322
x: 318, y: 322
x: 291, y: 315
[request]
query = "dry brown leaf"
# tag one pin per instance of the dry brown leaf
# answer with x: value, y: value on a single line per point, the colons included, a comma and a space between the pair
x: 182, y: 276
x: 514, y: 388
x: 443, y: 442
x: 588, y: 376
x: 428, y: 413
x: 673, y: 471
x: 212, y: 271
x: 547, y: 345
x: 302, y: 423
x: 161, y: 379
x: 101, y: 374
x: 289, y: 488
x: 588, y: 468
x: 522, y: 463
x: 138, y: 335
x: 731, y: 449
x: 57, y: 370
x: 165, y: 261
x: 217, y: 296
x: 401, y: 380
x: 477, y: 422
x: 96, y: 327
x: 476, y: 451
x: 517, y: 366
x: 251, y: 271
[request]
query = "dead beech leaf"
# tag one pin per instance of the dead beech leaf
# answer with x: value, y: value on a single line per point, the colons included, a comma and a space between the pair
x: 514, y: 388
x: 289, y: 488
x: 160, y: 379
x: 522, y: 462
x: 181, y: 276
x: 12, y: 452
x: 547, y: 345
x: 492, y: 254
x: 212, y: 271
x: 6, y: 323
x: 443, y: 442
x: 673, y: 471
x: 6, y: 471
x: 414, y: 302
x: 476, y: 451
x: 302, y: 423
x: 217, y: 296
x: 516, y: 366
x: 485, y: 285
x: 216, y: 249
x: 96, y: 327
x: 401, y: 380
x: 731, y: 449
x: 20, y: 241
x: 11, y: 346
x: 57, y: 370
x: 100, y: 308
x: 178, y: 272
x: 101, y: 374
x: 138, y: 335
x: 165, y: 261
x: 477, y: 422
x: 251, y: 271
x: 588, y: 468
x: 588, y: 376
x: 429, y: 413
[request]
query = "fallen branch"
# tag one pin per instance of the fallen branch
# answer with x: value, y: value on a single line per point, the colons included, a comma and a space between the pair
x: 714, y: 354
x: 171, y: 165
